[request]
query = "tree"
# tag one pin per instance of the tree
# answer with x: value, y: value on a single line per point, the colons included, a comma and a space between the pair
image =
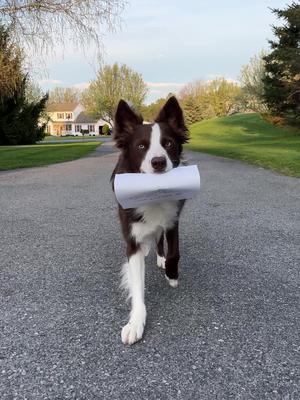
x: 192, y: 110
x: 282, y: 77
x: 223, y: 95
x: 112, y: 84
x: 11, y: 59
x: 64, y: 95
x: 33, y: 91
x: 20, y: 112
x: 46, y: 24
x: 105, y: 129
x: 201, y: 100
x: 251, y: 79
x: 151, y: 111
x: 19, y: 118
x: 193, y: 89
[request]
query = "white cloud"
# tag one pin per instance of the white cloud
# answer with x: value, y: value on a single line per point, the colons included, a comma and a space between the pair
x: 156, y: 85
x: 50, y: 81
x: 162, y: 89
x: 156, y: 91
x: 81, y: 86
x: 211, y: 77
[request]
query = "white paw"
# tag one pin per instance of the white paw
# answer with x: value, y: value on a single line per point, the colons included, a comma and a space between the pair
x: 161, y: 262
x: 172, y: 282
x: 132, y: 332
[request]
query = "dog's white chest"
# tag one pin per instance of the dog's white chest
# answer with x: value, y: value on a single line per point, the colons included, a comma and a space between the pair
x: 155, y: 218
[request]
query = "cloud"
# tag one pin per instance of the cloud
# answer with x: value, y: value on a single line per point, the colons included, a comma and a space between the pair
x: 211, y: 77
x: 165, y: 85
x: 156, y: 91
x: 162, y: 89
x: 81, y: 86
x: 50, y: 81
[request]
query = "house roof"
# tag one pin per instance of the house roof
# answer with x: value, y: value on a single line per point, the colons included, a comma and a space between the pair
x: 84, y: 118
x: 61, y: 107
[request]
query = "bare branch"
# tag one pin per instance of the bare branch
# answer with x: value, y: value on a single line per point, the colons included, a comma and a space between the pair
x: 46, y: 24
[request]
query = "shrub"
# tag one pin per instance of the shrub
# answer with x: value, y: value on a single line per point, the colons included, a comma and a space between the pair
x: 105, y: 129
x: 272, y: 119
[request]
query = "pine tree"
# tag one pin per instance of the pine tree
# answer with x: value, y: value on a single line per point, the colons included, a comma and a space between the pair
x: 192, y: 111
x: 282, y: 78
x: 20, y: 118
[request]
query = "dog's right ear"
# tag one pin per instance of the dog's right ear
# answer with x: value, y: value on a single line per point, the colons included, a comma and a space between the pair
x: 126, y: 121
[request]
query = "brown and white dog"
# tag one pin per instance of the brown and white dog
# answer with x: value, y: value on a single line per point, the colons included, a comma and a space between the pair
x: 148, y: 148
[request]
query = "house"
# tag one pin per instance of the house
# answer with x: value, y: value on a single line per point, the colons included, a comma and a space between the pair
x: 71, y: 119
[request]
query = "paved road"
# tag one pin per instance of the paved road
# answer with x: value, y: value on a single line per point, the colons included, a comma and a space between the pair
x: 231, y: 329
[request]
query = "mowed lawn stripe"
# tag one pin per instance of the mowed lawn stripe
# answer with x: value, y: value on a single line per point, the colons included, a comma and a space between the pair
x: 250, y: 138
x: 42, y: 154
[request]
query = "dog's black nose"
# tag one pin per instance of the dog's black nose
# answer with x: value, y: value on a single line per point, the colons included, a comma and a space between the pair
x: 159, y: 163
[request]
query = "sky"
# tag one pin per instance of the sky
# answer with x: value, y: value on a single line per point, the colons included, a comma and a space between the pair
x: 172, y: 42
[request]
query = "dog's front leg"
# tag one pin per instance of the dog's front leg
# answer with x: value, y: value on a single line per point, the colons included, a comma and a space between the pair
x: 134, y: 279
x: 160, y: 253
x: 172, y: 256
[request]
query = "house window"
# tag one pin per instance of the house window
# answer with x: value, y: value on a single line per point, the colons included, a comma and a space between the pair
x: 60, y: 115
x: 91, y: 128
x: 77, y: 128
x: 68, y: 127
x: 68, y: 115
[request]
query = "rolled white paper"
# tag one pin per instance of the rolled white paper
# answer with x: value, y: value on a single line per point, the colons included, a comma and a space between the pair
x: 134, y: 190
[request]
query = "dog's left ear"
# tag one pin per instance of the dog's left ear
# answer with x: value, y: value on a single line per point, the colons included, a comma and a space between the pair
x: 172, y: 114
x: 126, y: 121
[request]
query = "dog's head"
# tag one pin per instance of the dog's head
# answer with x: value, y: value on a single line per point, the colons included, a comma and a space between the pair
x: 151, y: 148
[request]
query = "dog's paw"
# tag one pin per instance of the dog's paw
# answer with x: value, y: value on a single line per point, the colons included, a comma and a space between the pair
x: 161, y: 261
x: 172, y: 282
x: 132, y: 332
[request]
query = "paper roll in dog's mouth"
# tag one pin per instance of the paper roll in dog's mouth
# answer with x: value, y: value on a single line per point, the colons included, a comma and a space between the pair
x: 134, y: 190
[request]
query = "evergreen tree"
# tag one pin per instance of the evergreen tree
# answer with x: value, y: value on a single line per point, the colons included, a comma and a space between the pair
x: 20, y: 116
x: 20, y: 119
x: 192, y: 110
x: 282, y: 78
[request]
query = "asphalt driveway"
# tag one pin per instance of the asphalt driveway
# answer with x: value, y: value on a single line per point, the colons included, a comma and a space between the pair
x: 229, y: 331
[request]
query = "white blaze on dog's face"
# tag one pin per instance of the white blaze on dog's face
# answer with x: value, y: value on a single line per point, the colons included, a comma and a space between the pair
x: 156, y: 158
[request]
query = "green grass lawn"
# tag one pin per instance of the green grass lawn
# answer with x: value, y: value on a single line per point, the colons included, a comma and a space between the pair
x: 42, y: 154
x: 249, y: 138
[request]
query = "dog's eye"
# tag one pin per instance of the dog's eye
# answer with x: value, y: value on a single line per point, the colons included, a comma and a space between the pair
x: 141, y: 146
x: 169, y: 143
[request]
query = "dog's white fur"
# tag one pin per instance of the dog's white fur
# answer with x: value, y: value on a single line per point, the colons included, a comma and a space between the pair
x: 135, y: 277
x: 156, y: 218
x: 161, y: 261
x: 155, y: 150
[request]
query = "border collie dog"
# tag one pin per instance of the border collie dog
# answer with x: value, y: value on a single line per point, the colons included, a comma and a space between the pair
x: 148, y: 148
